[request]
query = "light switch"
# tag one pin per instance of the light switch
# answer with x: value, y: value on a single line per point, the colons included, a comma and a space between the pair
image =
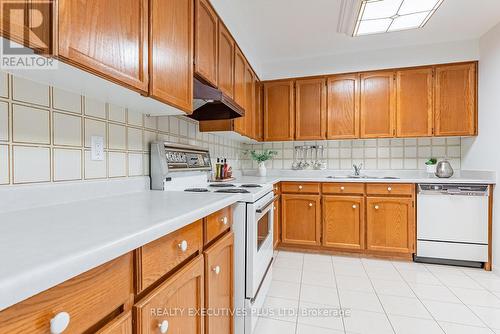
x: 96, y: 148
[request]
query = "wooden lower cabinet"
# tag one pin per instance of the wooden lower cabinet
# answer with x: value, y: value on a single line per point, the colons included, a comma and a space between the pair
x: 175, y: 304
x: 301, y: 224
x: 219, y: 259
x: 276, y: 223
x: 390, y: 224
x: 343, y: 222
x: 120, y: 325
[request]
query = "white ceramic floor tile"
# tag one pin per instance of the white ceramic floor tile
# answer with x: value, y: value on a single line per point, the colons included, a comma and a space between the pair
x: 477, y: 297
x: 452, y: 328
x: 318, y: 278
x: 367, y: 301
x: 371, y: 262
x: 458, y: 280
x: 280, y: 309
x: 306, y: 329
x: 364, y: 322
x: 288, y: 263
x: 409, y: 325
x: 492, y: 284
x: 285, y: 290
x: 350, y: 269
x: 385, y: 273
x: 354, y: 283
x: 411, y: 307
x: 290, y: 255
x: 322, y: 267
x: 450, y: 312
x: 318, y: 258
x: 412, y: 276
x: 434, y: 292
x: 319, y: 295
x: 320, y: 315
x: 271, y: 326
x: 337, y: 259
x: 412, y: 266
x: 287, y: 275
x: 490, y: 316
x: 392, y: 288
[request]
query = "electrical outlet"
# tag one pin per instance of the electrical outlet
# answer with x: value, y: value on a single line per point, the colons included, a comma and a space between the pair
x: 96, y: 148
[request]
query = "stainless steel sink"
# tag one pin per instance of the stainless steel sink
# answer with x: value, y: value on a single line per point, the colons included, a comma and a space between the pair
x: 346, y: 177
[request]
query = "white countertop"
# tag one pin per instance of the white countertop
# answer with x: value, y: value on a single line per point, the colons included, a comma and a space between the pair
x: 45, y: 246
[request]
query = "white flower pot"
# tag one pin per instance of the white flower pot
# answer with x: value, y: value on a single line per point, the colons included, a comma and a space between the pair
x: 431, y: 169
x: 262, y: 171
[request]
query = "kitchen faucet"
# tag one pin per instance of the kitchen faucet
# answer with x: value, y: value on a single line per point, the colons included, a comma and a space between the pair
x: 357, y: 169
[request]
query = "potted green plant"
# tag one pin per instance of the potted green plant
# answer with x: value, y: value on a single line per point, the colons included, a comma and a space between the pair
x: 430, y: 165
x: 261, y: 159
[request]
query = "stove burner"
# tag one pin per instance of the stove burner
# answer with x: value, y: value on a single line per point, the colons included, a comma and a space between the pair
x: 221, y: 185
x: 251, y: 185
x: 196, y: 190
x: 233, y: 191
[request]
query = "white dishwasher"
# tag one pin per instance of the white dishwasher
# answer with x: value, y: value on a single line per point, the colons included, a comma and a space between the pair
x: 452, y: 224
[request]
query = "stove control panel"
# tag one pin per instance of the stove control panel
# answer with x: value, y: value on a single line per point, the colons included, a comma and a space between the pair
x: 184, y: 158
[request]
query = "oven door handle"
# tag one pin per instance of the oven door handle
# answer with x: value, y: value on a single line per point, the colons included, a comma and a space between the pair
x: 265, y: 206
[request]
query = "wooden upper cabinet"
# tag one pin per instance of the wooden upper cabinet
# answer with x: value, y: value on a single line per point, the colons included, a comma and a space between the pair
x: 279, y: 120
x: 378, y: 104
x: 226, y: 68
x: 259, y: 115
x: 414, y: 102
x: 343, y: 222
x: 239, y: 78
x: 343, y: 107
x: 301, y: 219
x: 455, y: 105
x: 108, y: 38
x: 171, y: 61
x: 390, y: 224
x: 310, y: 109
x: 250, y: 102
x: 206, y: 41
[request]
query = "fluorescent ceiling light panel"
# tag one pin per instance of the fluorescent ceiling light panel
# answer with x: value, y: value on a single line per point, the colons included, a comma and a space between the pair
x: 381, y: 16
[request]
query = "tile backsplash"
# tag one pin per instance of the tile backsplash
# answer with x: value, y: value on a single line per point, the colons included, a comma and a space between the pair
x: 382, y: 154
x: 45, y: 135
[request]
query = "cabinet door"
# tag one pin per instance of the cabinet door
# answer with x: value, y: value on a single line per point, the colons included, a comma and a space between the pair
x: 455, y: 93
x: 170, y: 302
x: 343, y: 107
x: 390, y: 224
x: 206, y: 41
x: 250, y: 102
x: 310, y: 109
x: 107, y: 38
x: 225, y: 76
x: 120, y: 325
x: 240, y: 96
x: 276, y: 222
x: 259, y: 115
x: 377, y: 104
x: 343, y: 222
x: 301, y: 222
x: 279, y: 120
x: 219, y: 278
x: 414, y: 102
x: 171, y: 61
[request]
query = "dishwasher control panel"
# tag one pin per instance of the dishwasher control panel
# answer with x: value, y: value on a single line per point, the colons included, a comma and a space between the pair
x: 454, y: 189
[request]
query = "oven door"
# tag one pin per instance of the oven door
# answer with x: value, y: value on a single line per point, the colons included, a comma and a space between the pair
x: 260, y: 219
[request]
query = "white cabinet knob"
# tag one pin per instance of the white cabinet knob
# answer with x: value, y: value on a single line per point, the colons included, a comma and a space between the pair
x: 376, y: 207
x: 183, y: 245
x: 389, y: 189
x: 300, y: 187
x: 163, y: 326
x: 310, y: 204
x: 354, y: 206
x: 274, y: 208
x: 59, y: 323
x: 224, y: 220
x: 216, y: 270
x: 342, y: 188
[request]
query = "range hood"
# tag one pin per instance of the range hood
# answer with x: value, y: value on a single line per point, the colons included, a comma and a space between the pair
x: 211, y: 104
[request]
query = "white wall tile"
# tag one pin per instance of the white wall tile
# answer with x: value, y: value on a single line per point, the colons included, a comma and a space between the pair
x: 150, y: 122
x: 4, y: 84
x: 135, y: 139
x: 453, y: 151
x: 67, y: 129
x: 163, y: 124
x: 135, y: 164
x: 134, y: 118
x: 453, y: 141
x: 95, y: 169
x: 438, y: 151
x: 67, y: 164
x: 30, y: 92
x: 117, y: 137
x: 95, y: 108
x: 174, y: 125
x: 117, y: 164
x: 424, y: 152
x: 95, y: 128
x: 31, y: 164
x: 183, y: 128
x: 146, y: 163
x: 396, y: 152
x: 149, y: 137
x: 117, y: 113
x: 411, y: 152
x: 4, y: 164
x: 67, y: 101
x: 30, y: 125
x: 384, y: 152
x: 4, y: 121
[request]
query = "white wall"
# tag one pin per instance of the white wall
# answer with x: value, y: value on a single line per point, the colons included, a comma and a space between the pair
x: 481, y: 153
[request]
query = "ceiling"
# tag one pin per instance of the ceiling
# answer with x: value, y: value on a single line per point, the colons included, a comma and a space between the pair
x: 278, y: 32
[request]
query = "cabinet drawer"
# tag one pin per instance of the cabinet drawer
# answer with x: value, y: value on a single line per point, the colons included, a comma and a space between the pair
x: 390, y: 189
x: 343, y: 188
x: 121, y: 325
x: 300, y: 187
x: 162, y: 255
x: 175, y: 304
x: 217, y: 223
x: 87, y: 298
